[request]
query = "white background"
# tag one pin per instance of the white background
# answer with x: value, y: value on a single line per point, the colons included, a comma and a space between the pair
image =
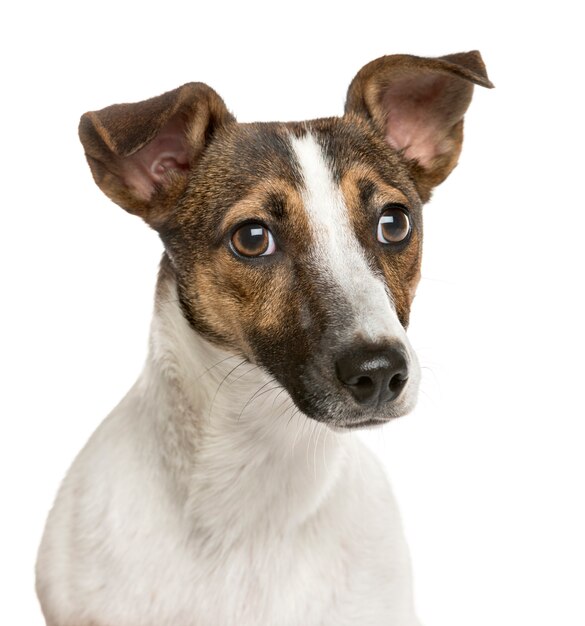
x: 490, y: 469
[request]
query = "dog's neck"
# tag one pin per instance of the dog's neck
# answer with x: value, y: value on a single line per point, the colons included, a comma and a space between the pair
x: 235, y: 446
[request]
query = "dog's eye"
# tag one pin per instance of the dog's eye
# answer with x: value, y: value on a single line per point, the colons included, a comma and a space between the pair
x: 394, y: 225
x: 253, y: 240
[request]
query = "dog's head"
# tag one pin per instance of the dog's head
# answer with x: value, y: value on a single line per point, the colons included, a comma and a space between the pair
x: 298, y: 245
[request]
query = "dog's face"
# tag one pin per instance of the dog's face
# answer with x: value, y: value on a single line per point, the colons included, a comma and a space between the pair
x: 298, y: 245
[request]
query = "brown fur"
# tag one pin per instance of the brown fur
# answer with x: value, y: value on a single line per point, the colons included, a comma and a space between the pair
x: 119, y: 131
x: 279, y: 311
x: 443, y: 86
x: 401, y: 267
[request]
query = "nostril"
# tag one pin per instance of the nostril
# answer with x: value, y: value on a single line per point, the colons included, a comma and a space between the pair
x: 363, y: 388
x: 397, y: 382
x: 365, y: 385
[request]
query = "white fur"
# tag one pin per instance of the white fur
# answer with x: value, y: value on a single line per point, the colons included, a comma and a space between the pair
x: 340, y: 257
x: 207, y: 499
x: 337, y: 252
x: 187, y: 509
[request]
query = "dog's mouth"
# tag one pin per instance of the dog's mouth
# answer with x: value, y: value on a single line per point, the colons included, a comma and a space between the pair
x: 368, y: 423
x: 346, y: 384
x: 341, y: 406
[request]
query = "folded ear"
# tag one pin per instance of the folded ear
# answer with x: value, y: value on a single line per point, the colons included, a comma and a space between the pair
x: 418, y: 105
x: 140, y: 153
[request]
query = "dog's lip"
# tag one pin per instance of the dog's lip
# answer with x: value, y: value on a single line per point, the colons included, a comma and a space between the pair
x: 365, y: 423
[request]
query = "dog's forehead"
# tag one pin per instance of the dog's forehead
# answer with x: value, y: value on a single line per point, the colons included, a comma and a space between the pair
x: 247, y: 158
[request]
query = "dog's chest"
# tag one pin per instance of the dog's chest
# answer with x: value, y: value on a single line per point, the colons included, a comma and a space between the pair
x: 259, y: 582
x: 291, y: 537
x: 326, y: 572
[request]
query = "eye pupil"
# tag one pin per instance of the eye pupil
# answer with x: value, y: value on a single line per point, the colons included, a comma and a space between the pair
x: 393, y: 226
x: 251, y: 240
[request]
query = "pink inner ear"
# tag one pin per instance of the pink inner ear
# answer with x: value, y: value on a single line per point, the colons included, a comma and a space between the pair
x: 414, y: 121
x: 144, y: 169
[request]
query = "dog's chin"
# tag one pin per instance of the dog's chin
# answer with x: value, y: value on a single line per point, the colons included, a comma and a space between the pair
x: 345, y: 420
x: 366, y: 424
x: 344, y: 414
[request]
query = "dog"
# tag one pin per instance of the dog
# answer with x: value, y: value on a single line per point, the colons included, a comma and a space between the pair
x: 224, y: 489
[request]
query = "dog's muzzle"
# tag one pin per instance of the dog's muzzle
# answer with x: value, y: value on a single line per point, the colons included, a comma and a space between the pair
x: 373, y: 375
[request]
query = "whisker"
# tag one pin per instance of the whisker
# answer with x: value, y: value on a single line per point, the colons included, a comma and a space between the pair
x: 292, y: 413
x: 285, y: 410
x: 309, y: 442
x: 268, y: 390
x: 222, y: 382
x: 288, y: 408
x: 299, y: 430
x: 232, y: 356
x: 252, y: 397
x: 287, y: 398
x: 275, y: 397
x: 318, y: 429
x: 327, y: 431
x: 254, y: 367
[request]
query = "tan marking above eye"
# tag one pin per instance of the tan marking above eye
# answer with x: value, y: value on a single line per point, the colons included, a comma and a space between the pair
x: 254, y: 206
x: 253, y: 240
x: 394, y: 225
x: 383, y: 194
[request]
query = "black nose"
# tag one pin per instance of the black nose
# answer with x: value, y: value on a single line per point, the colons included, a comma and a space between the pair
x: 373, y: 375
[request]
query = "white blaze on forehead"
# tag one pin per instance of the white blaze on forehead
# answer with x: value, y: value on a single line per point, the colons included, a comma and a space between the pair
x: 336, y: 250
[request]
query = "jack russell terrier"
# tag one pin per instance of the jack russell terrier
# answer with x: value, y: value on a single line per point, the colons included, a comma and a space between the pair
x: 224, y: 490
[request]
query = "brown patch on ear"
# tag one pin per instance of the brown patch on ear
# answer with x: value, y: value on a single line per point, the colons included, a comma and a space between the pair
x: 417, y: 104
x: 140, y: 153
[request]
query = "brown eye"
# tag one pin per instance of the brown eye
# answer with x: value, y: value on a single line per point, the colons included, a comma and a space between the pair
x: 394, y: 225
x: 253, y: 240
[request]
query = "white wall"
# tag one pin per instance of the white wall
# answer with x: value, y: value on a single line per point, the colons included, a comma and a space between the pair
x: 489, y: 470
